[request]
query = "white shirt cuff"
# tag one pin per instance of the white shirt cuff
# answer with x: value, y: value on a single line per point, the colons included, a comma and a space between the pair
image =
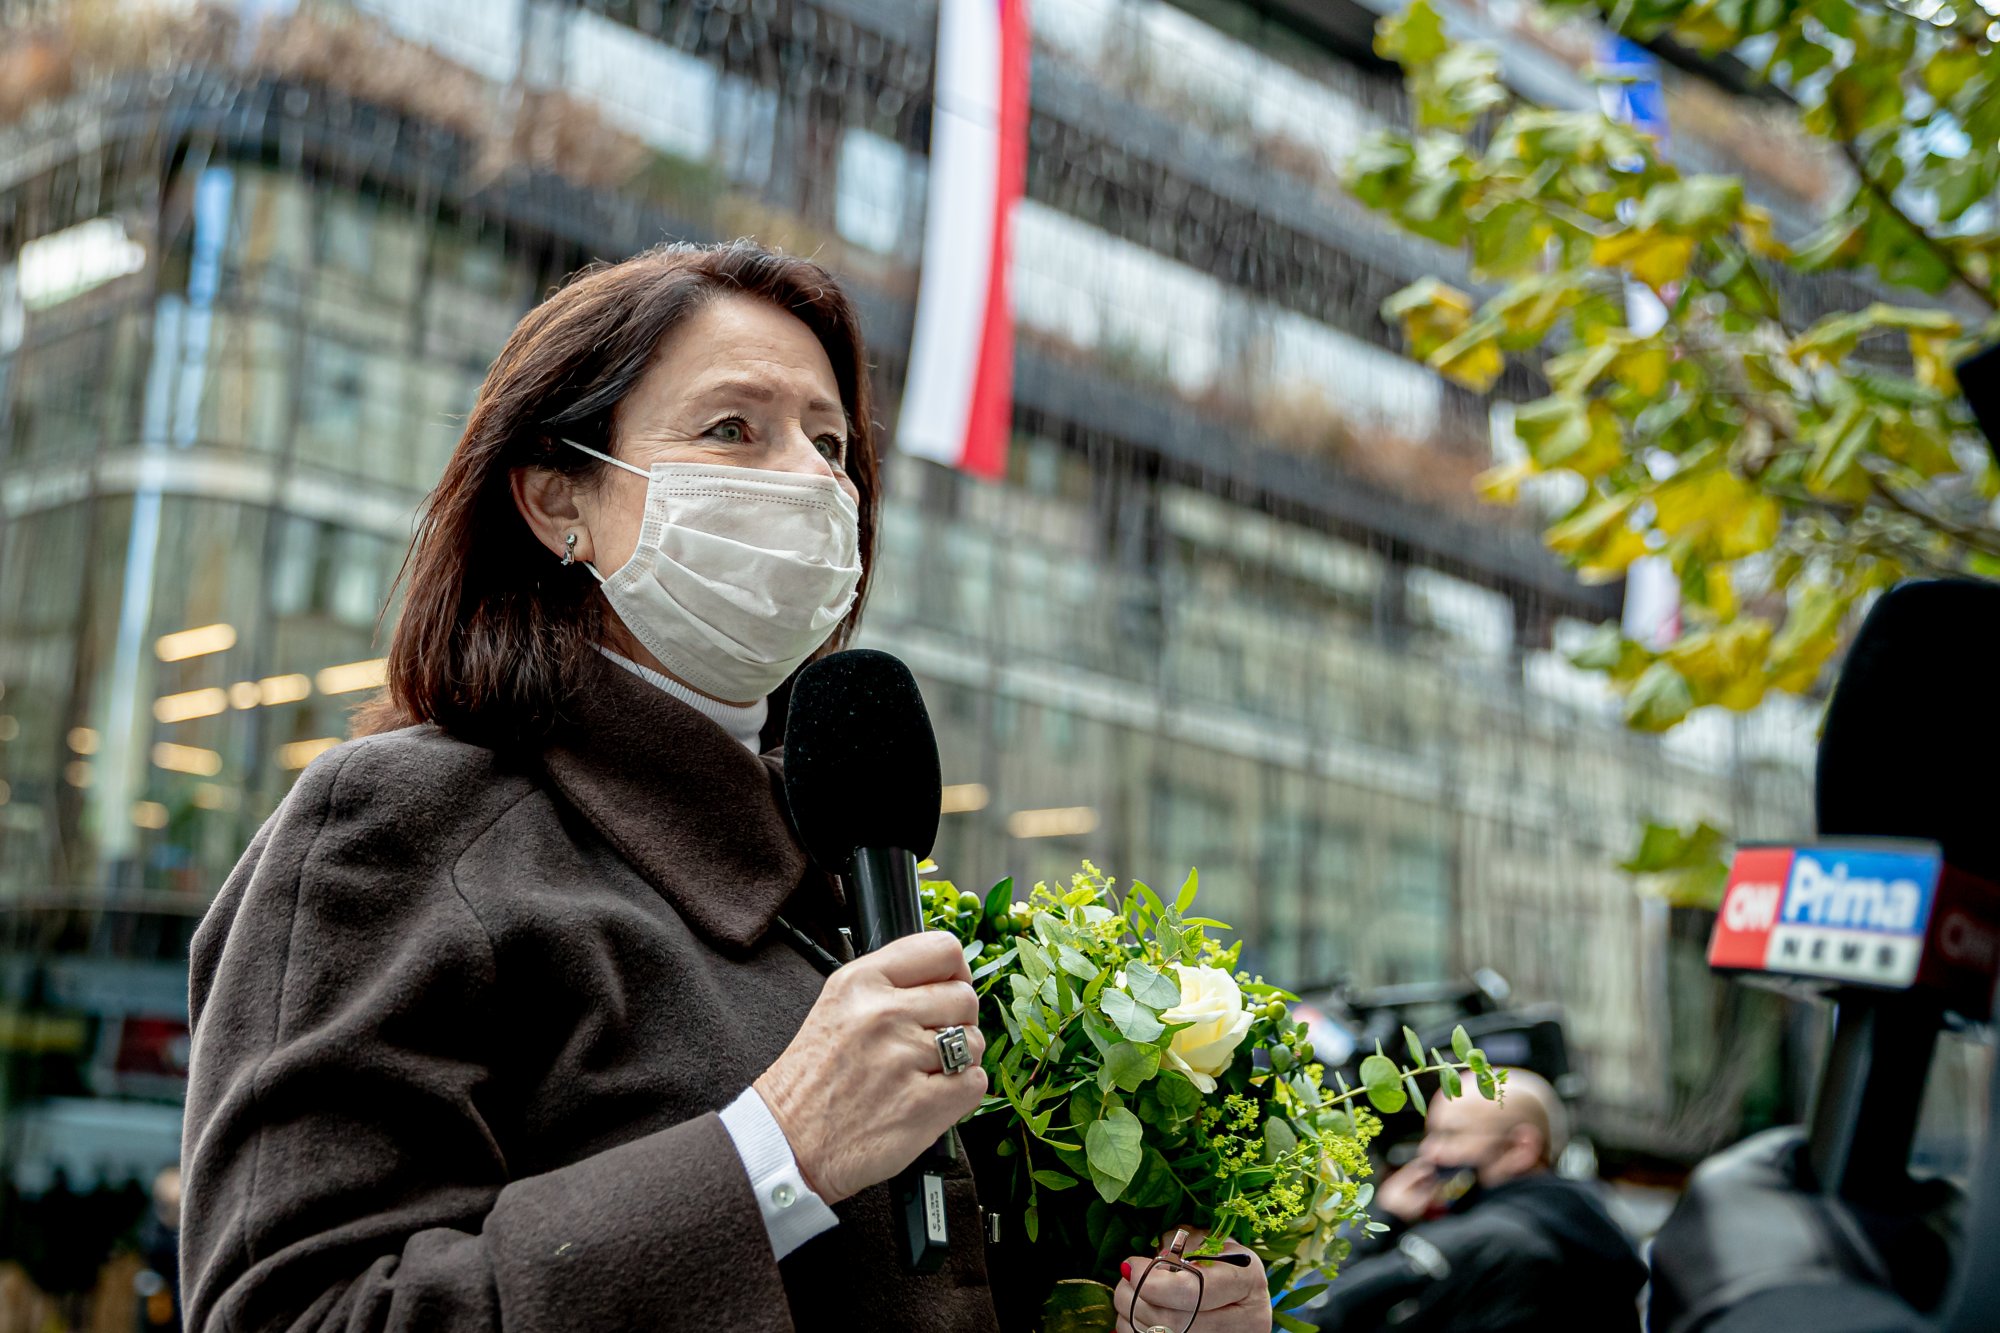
x: 793, y: 1214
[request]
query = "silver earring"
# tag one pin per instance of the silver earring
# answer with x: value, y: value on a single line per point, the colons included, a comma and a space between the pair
x: 569, y: 550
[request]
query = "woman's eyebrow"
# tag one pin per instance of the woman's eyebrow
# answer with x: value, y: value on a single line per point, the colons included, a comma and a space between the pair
x: 761, y: 393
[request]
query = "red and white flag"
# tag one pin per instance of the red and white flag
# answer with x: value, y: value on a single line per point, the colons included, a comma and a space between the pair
x: 958, y: 398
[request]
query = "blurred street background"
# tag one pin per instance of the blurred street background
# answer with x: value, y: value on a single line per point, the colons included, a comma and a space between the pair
x: 1227, y: 597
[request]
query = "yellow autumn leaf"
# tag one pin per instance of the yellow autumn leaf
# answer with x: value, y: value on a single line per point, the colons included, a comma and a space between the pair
x: 1590, y: 524
x: 1719, y: 591
x: 1470, y: 360
x: 1712, y: 504
x: 1643, y: 368
x: 1724, y: 665
x: 1929, y: 353
x: 1759, y: 237
x: 1800, y: 650
x: 1431, y: 312
x: 1608, y: 563
x: 1502, y: 484
x: 1652, y: 257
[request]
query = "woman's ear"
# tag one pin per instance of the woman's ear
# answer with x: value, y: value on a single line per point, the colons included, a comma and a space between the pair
x: 547, y: 501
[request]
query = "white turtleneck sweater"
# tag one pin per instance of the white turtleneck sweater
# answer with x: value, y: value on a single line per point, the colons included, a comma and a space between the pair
x: 745, y: 722
x: 793, y: 1214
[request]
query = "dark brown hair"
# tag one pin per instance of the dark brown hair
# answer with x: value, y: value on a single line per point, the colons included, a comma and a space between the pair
x: 494, y: 631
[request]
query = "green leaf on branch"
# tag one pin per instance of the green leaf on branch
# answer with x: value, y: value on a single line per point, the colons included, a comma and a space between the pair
x: 1151, y: 987
x: 1461, y: 1042
x: 1416, y: 1046
x: 1134, y: 1020
x: 999, y: 900
x: 1659, y: 699
x: 1412, y: 38
x: 1114, y: 1146
x: 1279, y: 1140
x: 1132, y: 1065
x: 1075, y: 963
x: 1689, y: 865
x: 1055, y: 1180
x: 1383, y: 1083
x: 1694, y: 205
x: 1185, y: 898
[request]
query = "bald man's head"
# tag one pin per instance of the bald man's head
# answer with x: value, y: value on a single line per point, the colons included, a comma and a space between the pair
x: 1524, y: 1131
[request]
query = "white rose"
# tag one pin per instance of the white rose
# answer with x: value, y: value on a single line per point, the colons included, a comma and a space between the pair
x: 1211, y: 1002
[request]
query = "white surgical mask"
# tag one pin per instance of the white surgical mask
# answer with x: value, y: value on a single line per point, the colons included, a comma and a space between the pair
x: 740, y: 574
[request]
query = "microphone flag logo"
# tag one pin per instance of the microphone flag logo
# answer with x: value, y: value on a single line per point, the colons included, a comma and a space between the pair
x: 1847, y: 914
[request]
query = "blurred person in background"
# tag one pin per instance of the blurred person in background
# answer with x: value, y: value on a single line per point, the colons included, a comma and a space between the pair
x: 1484, y: 1236
x: 158, y: 1284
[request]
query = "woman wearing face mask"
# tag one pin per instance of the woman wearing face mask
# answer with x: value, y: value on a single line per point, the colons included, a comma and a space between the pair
x: 515, y: 1014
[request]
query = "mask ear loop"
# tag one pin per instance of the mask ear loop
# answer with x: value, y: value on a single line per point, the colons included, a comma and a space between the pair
x: 615, y: 462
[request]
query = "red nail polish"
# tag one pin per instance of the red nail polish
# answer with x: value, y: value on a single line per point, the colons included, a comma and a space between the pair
x: 1126, y: 1270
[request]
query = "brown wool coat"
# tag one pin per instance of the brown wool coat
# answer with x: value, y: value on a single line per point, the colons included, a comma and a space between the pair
x: 461, y: 1030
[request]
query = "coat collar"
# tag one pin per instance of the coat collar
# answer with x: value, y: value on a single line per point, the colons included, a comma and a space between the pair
x: 697, y: 815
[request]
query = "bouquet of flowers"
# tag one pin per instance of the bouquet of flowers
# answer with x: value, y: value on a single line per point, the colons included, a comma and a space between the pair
x: 1143, y: 1082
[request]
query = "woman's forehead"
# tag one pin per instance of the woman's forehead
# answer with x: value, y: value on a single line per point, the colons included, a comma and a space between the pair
x: 743, y: 349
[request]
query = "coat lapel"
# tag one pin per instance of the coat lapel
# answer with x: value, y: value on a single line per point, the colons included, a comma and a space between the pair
x: 697, y: 815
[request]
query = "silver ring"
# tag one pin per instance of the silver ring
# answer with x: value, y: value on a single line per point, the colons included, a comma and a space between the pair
x: 954, y: 1051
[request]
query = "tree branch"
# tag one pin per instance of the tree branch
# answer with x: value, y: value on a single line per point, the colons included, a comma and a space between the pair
x: 1885, y: 201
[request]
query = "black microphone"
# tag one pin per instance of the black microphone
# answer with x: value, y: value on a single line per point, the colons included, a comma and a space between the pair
x: 864, y: 787
x: 1911, y: 727
x: 1894, y: 912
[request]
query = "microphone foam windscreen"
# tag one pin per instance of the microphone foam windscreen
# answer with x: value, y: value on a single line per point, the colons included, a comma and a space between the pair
x: 861, y: 762
x: 1979, y: 380
x: 1912, y: 736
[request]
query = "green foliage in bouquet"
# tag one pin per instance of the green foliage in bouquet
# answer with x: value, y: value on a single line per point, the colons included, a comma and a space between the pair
x: 1141, y: 1082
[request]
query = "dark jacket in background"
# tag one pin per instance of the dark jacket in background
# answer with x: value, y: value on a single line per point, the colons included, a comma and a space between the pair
x: 461, y: 1028
x: 1537, y: 1253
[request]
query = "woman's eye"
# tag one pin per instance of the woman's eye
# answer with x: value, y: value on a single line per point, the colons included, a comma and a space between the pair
x: 729, y: 432
x: 832, y: 448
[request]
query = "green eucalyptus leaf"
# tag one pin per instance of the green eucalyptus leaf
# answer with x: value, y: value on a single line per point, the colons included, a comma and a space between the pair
x: 1150, y: 986
x: 1135, y: 1020
x: 1131, y: 1065
x: 1416, y: 1046
x: 1074, y: 963
x: 1034, y: 961
x: 1177, y: 1094
x: 994, y: 965
x: 1383, y: 1083
x: 1279, y: 1138
x: 1461, y: 1042
x: 1114, y: 1147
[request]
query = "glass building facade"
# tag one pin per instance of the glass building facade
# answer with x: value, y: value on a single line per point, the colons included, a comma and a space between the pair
x: 1231, y: 608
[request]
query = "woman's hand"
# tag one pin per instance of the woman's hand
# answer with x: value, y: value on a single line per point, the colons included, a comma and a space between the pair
x: 1233, y: 1300
x: 860, y: 1091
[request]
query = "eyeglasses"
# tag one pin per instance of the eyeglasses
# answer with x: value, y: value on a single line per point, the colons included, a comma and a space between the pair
x: 1174, y: 1259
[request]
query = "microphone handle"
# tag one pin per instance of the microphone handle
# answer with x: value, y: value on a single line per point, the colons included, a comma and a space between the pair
x: 1865, y: 1116
x: 887, y: 907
